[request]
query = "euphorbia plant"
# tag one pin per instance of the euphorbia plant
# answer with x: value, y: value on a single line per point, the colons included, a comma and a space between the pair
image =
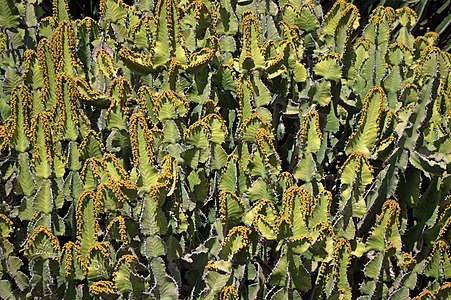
x: 229, y: 149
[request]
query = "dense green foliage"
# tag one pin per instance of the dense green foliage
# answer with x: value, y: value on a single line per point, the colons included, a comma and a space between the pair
x: 431, y: 15
x: 230, y: 149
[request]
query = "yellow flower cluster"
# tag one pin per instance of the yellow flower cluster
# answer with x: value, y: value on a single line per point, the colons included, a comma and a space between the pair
x: 102, y: 56
x: 311, y: 116
x: 250, y: 24
x: 405, y: 9
x: 155, y: 190
x: 341, y: 245
x: 287, y: 178
x: 4, y: 139
x: 241, y: 231
x: 141, y: 59
x: 359, y: 158
x: 120, y: 89
x: 408, y: 260
x: 64, y: 82
x: 381, y: 13
x: 122, y: 228
x: 178, y: 100
x: 145, y: 22
x: 225, y: 196
x: 390, y: 207
x: 20, y: 103
x: 46, y: 231
x: 84, y: 91
x: 254, y: 118
x: 428, y: 51
x: 366, y: 103
x: 128, y: 259
x: 63, y: 36
x: 69, y: 250
x: 30, y: 59
x: 88, y: 197
x: 102, y: 287
x: 399, y: 45
x: 91, y: 135
x: 55, y: 8
x: 283, y: 221
x: 438, y: 293
x: 325, y: 230
x: 393, y: 210
x: 44, y: 119
x: 243, y: 89
x: 200, y: 57
x: 445, y: 218
x: 6, y: 219
x: 115, y: 187
x: 199, y: 124
x: 86, y: 22
x: 362, y: 42
x: 101, y: 247
x: 265, y: 212
x: 3, y: 39
x: 266, y: 207
x: 92, y: 164
x: 298, y: 238
x: 109, y: 159
x: 443, y: 248
x: 338, y: 5
x: 213, y: 116
x: 264, y: 143
x: 174, y: 66
x: 425, y: 294
x: 228, y: 293
x: 45, y: 63
x: 146, y: 101
x: 295, y: 193
x: 169, y: 172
